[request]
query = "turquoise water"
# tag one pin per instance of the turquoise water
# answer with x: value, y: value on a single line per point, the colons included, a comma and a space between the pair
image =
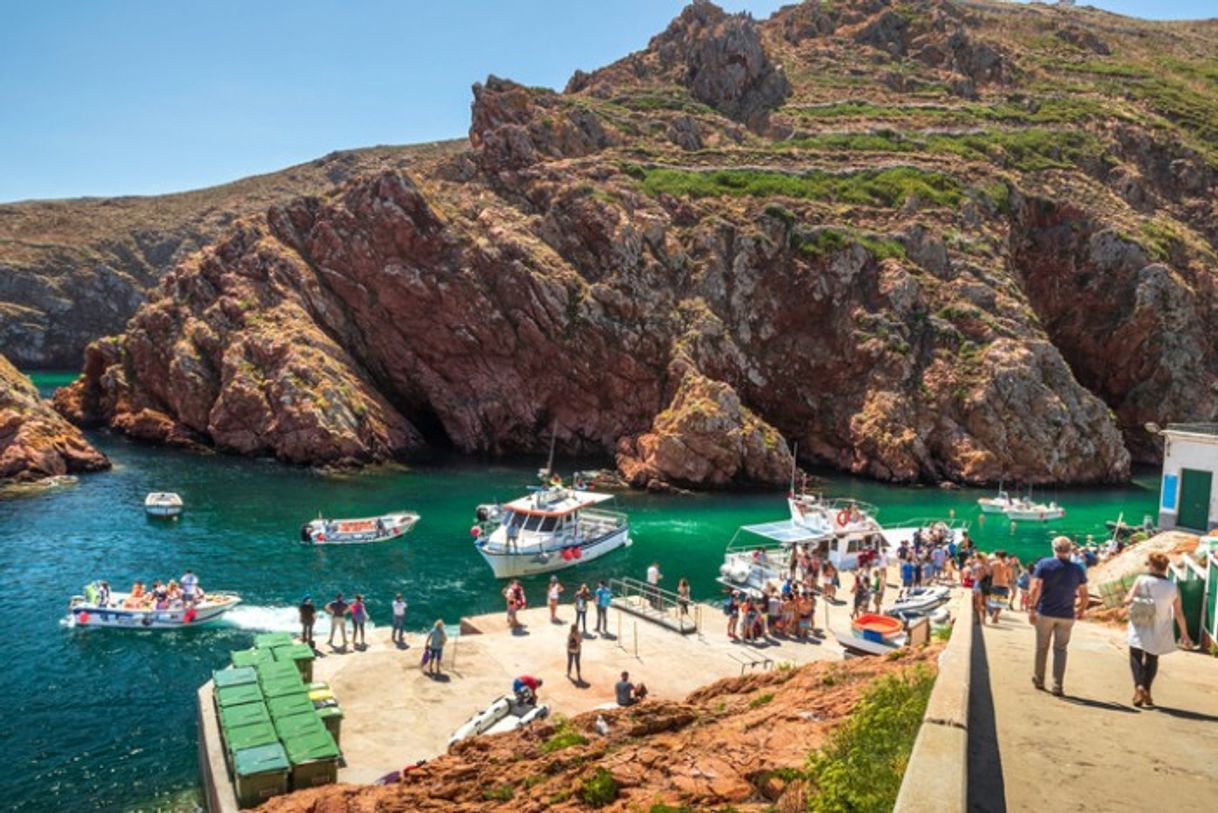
x: 104, y: 720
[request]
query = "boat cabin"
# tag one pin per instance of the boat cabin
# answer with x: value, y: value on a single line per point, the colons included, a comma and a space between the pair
x: 1188, y: 495
x: 557, y: 516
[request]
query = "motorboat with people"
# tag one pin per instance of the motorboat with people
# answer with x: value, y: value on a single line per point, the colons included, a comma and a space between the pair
x: 1028, y: 511
x: 504, y: 714
x: 323, y: 531
x: 163, y: 504
x: 97, y: 607
x: 551, y: 528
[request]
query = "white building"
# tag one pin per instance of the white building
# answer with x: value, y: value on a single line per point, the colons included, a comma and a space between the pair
x: 1189, y: 495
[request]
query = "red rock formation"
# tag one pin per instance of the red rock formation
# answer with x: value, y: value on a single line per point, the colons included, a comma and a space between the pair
x: 35, y: 441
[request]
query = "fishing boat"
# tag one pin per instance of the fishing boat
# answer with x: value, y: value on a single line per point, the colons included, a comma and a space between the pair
x: 163, y: 504
x: 1028, y: 511
x: 323, y: 531
x: 87, y: 611
x: 505, y: 714
x: 551, y: 528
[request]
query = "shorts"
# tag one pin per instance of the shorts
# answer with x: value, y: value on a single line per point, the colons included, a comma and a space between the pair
x: 1000, y: 591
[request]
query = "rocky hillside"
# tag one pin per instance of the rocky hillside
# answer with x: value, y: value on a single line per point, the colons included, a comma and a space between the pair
x: 739, y: 744
x: 74, y: 270
x: 924, y: 240
x: 35, y: 441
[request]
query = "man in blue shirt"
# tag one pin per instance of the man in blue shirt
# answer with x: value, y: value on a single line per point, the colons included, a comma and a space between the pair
x: 603, y: 597
x: 1059, y: 596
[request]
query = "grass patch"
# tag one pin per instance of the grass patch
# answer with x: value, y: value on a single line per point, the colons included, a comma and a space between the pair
x: 499, y: 793
x: 761, y: 700
x: 879, y: 188
x: 600, y: 789
x: 564, y: 736
x: 861, y: 767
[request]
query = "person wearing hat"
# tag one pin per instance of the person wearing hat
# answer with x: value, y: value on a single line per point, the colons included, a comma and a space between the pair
x: 308, y: 614
x: 1059, y: 597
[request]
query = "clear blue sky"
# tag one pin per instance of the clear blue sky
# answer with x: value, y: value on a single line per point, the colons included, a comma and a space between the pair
x: 138, y: 96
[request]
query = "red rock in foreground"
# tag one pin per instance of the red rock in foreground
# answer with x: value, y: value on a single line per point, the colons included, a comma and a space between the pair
x: 35, y: 441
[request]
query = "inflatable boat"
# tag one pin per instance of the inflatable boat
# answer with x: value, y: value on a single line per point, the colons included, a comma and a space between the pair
x: 505, y: 714
x: 923, y: 600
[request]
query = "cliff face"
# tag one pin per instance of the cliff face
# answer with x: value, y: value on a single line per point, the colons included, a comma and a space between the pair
x: 35, y: 441
x: 925, y: 241
x: 74, y: 270
x: 737, y: 744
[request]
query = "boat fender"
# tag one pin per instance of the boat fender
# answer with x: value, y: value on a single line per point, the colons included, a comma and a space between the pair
x: 321, y: 538
x: 475, y: 532
x: 567, y: 554
x: 147, y: 620
x: 190, y: 616
x: 843, y: 517
x: 82, y: 617
x: 577, y: 553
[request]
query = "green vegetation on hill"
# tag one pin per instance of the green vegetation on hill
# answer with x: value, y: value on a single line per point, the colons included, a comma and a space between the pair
x: 880, y: 188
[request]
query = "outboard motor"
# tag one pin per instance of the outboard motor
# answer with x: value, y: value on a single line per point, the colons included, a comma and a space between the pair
x: 305, y: 536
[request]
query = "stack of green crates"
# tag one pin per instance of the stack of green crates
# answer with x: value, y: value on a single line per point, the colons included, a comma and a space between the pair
x: 270, y: 640
x: 299, y: 654
x: 278, y: 678
x: 260, y: 772
x: 251, y: 657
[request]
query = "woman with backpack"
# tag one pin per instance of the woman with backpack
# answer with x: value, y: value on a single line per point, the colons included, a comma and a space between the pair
x: 1154, y: 604
x: 731, y: 608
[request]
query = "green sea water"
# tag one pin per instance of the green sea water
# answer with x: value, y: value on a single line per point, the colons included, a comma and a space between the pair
x: 104, y: 720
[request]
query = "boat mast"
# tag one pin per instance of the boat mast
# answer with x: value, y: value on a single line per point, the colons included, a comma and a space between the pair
x: 794, y: 464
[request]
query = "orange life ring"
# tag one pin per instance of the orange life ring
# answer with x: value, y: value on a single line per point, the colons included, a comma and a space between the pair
x: 843, y: 517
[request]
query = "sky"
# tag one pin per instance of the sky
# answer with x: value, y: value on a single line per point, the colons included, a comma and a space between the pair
x: 109, y: 97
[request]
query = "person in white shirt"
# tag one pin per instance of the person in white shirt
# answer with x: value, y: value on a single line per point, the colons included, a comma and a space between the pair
x: 399, y: 619
x: 190, y: 586
x: 1151, y: 631
x: 653, y: 578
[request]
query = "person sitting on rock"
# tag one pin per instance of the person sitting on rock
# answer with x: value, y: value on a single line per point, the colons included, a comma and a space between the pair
x: 627, y: 693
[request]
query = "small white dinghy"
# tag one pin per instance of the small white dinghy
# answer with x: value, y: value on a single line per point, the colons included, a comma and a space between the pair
x: 163, y: 504
x: 997, y: 504
x: 121, y: 612
x: 322, y: 531
x: 505, y: 714
x: 922, y: 600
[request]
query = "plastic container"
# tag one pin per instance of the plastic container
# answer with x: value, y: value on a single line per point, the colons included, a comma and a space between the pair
x: 332, y: 718
x: 243, y: 715
x: 314, y: 757
x: 236, y: 695
x: 234, y: 676
x: 250, y: 657
x: 270, y: 640
x: 247, y: 736
x: 270, y: 670
x: 260, y: 773
x: 289, y: 705
x: 298, y: 725
x: 322, y: 697
x: 281, y: 686
x: 301, y: 655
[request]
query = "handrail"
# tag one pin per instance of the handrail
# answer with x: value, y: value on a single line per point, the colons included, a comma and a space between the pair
x: 663, y: 603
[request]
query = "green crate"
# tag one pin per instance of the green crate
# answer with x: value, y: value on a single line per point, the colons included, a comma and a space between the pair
x: 304, y: 724
x: 270, y: 640
x: 242, y: 715
x: 234, y: 676
x: 278, y: 687
x: 236, y: 695
x: 248, y: 736
x: 260, y: 773
x: 314, y: 756
x: 289, y: 705
x: 251, y: 657
x: 301, y: 655
x: 269, y: 670
x: 332, y: 718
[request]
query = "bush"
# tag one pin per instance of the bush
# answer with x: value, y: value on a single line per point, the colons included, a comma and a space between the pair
x: 861, y: 767
x: 761, y: 700
x: 500, y: 793
x: 874, y: 187
x: 600, y: 789
x: 564, y: 736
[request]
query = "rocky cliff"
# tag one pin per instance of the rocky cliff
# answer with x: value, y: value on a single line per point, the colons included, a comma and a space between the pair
x: 74, y: 270
x: 738, y: 744
x: 35, y: 441
x: 925, y: 241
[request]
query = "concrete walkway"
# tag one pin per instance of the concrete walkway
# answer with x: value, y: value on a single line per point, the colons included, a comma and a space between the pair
x: 1092, y: 749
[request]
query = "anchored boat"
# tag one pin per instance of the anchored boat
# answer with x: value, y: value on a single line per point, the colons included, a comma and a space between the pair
x: 87, y: 611
x: 552, y: 528
x: 505, y: 714
x: 997, y: 504
x: 322, y: 531
x: 163, y: 504
x: 1027, y: 511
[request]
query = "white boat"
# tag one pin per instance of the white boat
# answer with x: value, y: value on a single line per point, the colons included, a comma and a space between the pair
x: 837, y: 516
x: 86, y: 611
x: 322, y: 531
x: 997, y: 504
x: 505, y: 714
x: 856, y: 645
x: 1027, y: 511
x: 551, y: 528
x: 162, y: 504
x: 922, y: 600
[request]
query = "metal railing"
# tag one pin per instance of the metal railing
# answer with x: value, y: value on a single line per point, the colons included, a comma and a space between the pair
x: 656, y: 604
x: 1193, y: 428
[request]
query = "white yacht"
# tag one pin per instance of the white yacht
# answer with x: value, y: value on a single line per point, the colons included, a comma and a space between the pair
x: 999, y: 503
x: 551, y: 528
x: 1028, y: 511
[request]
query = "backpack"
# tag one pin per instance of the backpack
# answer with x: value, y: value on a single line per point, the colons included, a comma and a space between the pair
x: 1142, y: 609
x: 729, y: 607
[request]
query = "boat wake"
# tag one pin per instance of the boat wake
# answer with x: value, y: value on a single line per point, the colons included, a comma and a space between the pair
x: 267, y: 619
